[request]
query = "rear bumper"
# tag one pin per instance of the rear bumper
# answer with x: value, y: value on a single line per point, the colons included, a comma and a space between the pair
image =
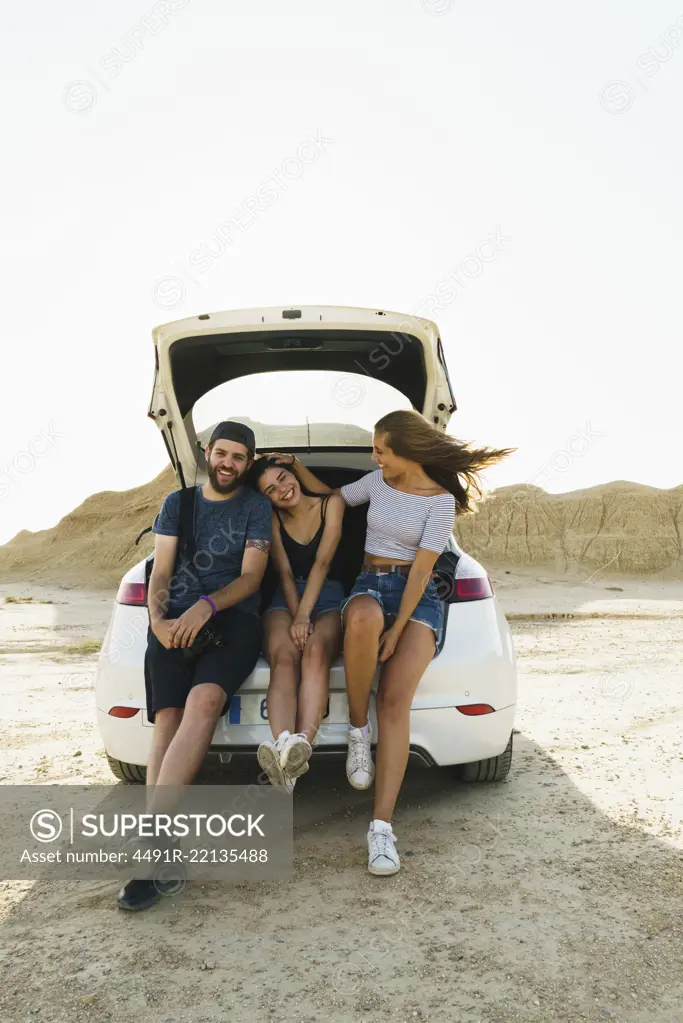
x: 125, y: 739
x: 449, y: 737
x: 442, y: 735
x: 438, y: 736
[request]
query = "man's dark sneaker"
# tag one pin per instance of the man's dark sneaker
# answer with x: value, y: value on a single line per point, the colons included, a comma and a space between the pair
x: 141, y: 894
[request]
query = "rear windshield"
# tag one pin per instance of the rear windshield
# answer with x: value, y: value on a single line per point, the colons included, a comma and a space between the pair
x: 299, y: 397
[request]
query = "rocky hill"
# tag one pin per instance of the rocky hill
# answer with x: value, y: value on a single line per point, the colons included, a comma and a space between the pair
x: 617, y: 528
x: 95, y: 543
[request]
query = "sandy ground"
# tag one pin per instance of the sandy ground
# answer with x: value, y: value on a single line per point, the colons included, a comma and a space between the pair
x: 553, y: 896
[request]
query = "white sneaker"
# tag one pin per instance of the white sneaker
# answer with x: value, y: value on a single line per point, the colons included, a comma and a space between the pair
x: 268, y: 756
x: 382, y: 855
x: 360, y: 770
x: 294, y: 755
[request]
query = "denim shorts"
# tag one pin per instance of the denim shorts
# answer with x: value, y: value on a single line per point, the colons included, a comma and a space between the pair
x: 330, y: 598
x: 387, y: 589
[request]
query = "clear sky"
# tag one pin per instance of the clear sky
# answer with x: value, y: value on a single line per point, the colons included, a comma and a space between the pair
x: 136, y: 132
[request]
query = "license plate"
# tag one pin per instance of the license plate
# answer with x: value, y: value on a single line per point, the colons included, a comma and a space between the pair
x: 250, y: 709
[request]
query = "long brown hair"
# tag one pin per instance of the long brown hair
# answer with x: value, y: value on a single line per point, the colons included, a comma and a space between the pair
x: 453, y: 464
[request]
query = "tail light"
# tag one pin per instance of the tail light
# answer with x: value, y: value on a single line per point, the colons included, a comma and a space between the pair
x: 132, y: 593
x: 472, y: 709
x: 470, y: 583
x: 124, y: 712
x: 477, y: 588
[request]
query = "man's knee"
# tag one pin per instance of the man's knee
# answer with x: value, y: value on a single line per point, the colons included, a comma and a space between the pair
x: 168, y: 719
x: 205, y: 701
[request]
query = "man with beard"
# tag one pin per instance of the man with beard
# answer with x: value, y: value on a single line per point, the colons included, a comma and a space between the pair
x: 217, y: 587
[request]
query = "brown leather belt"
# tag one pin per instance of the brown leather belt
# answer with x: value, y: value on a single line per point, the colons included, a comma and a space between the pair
x: 386, y: 569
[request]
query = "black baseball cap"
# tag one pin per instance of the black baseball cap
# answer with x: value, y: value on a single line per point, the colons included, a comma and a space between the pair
x: 238, y: 432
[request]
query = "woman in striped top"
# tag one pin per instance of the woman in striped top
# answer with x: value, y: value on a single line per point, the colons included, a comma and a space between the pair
x: 393, y: 614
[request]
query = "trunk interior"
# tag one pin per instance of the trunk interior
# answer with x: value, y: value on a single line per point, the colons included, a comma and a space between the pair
x: 202, y: 362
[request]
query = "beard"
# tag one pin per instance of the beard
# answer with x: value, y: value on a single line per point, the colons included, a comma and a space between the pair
x: 221, y: 486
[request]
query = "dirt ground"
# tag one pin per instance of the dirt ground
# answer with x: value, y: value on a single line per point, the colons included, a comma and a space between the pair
x: 553, y: 896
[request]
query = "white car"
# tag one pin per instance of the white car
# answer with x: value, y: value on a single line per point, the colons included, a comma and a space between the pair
x: 464, y: 707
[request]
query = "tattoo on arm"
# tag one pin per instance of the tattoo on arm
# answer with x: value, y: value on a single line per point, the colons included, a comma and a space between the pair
x: 260, y: 545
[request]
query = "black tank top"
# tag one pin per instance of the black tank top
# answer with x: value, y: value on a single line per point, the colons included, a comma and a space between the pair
x: 302, y: 555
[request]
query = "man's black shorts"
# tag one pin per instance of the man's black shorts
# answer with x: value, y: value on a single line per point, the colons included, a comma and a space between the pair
x: 169, y: 677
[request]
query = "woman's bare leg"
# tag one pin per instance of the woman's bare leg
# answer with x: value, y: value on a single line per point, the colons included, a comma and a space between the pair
x: 399, y: 681
x: 320, y: 650
x: 363, y: 625
x: 284, y: 659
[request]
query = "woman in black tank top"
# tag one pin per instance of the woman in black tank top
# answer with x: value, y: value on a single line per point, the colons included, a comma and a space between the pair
x: 302, y: 626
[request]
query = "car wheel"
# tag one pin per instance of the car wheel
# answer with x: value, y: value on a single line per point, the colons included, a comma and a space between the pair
x: 493, y: 769
x: 132, y: 774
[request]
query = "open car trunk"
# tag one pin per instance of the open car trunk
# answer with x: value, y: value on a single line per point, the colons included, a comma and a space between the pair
x: 196, y: 355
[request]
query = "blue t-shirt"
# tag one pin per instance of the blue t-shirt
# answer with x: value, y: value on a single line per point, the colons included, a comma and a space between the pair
x: 221, y: 530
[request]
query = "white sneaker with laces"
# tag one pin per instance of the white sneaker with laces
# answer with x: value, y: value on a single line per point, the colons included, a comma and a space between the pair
x: 268, y: 756
x: 360, y: 769
x: 295, y: 754
x: 383, y: 857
